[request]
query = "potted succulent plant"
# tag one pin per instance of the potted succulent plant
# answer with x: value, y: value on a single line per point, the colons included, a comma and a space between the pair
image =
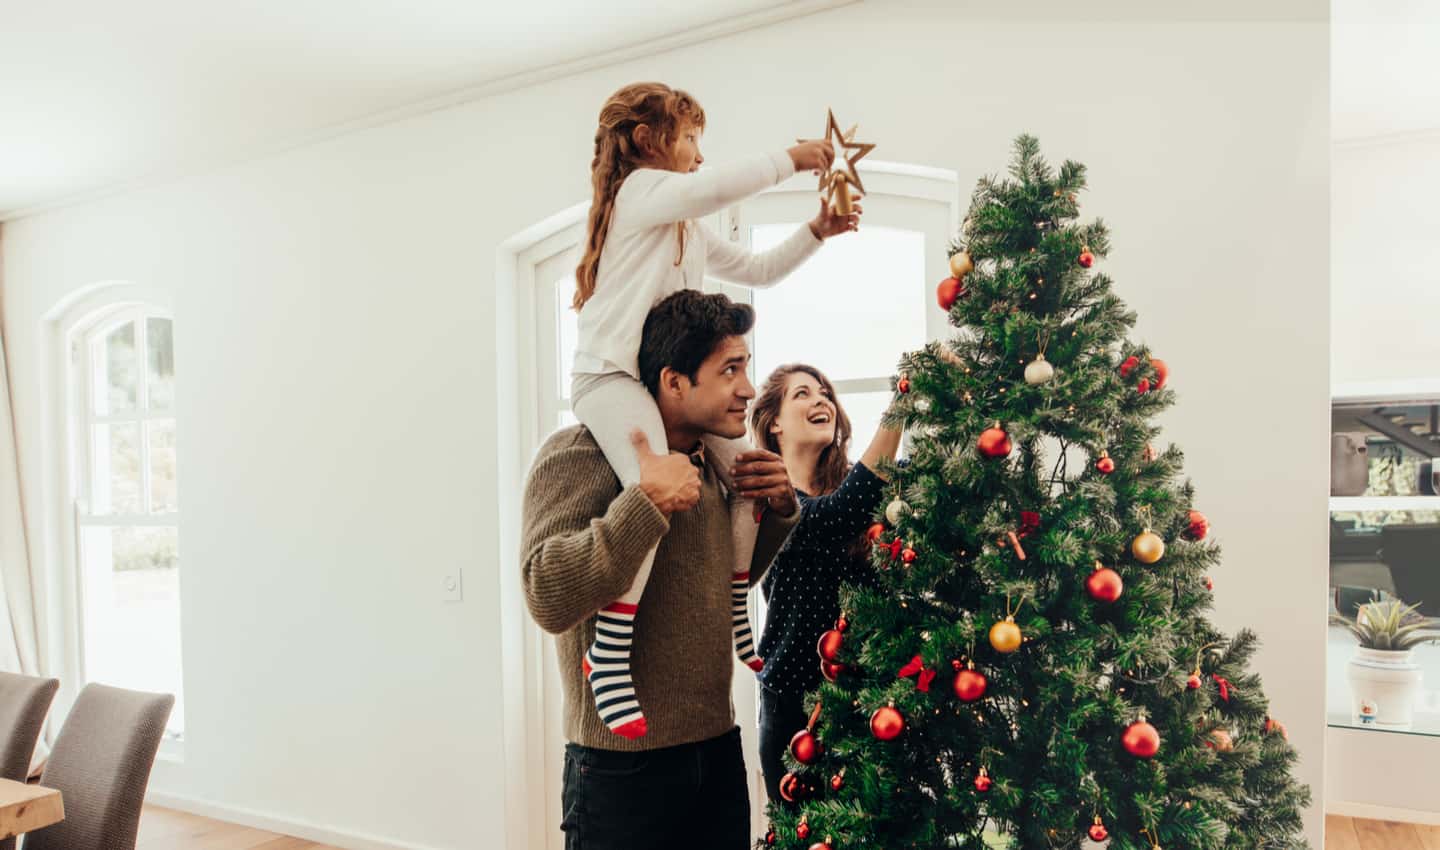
x: 1384, y: 678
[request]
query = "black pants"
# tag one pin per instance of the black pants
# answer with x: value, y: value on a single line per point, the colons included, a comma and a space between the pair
x: 780, y: 718
x: 693, y: 795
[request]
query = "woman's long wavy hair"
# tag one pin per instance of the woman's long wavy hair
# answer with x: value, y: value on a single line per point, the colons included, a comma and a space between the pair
x: 667, y: 112
x: 834, y: 461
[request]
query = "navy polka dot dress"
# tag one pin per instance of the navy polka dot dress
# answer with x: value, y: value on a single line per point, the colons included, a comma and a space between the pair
x: 802, y: 587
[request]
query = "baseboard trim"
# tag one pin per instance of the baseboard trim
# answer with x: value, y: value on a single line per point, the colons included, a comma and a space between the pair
x: 270, y: 823
x: 1369, y: 812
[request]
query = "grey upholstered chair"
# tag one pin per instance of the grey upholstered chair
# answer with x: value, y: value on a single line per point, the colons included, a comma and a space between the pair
x: 24, y: 701
x: 101, y: 765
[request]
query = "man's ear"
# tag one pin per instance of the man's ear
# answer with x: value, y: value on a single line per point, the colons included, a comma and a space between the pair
x: 673, y: 383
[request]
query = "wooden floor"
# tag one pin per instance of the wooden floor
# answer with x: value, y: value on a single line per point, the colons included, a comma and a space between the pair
x: 166, y: 829
x: 1354, y: 834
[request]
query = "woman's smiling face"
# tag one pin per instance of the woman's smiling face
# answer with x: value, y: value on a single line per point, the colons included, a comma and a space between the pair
x: 807, y: 412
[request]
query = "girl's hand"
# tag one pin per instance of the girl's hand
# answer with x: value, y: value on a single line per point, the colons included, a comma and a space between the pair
x: 812, y: 156
x: 826, y: 223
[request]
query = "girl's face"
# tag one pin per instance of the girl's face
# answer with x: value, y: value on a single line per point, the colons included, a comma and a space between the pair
x: 685, y: 155
x: 807, y: 413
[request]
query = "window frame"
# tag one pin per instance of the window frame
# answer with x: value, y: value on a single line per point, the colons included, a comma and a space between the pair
x: 67, y: 375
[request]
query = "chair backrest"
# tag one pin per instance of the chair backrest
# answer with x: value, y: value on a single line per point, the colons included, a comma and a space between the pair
x: 101, y: 766
x: 24, y: 702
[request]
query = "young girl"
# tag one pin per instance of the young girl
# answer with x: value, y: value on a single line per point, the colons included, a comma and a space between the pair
x: 798, y: 417
x: 642, y: 244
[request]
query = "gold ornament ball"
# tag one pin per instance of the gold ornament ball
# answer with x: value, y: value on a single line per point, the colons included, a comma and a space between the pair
x: 1005, y: 636
x: 961, y: 265
x: 1039, y: 371
x: 1148, y: 547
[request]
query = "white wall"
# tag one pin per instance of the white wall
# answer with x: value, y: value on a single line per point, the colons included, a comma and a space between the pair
x: 337, y: 372
x: 1385, y: 329
x: 1385, y: 325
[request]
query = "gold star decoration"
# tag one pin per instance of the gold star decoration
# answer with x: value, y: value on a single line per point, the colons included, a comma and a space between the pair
x: 844, y: 145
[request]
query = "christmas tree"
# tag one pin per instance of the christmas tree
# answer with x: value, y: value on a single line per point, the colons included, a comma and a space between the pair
x: 1035, y: 669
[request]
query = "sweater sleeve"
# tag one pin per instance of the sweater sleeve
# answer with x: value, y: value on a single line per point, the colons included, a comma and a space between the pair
x: 581, y: 545
x: 650, y: 197
x: 839, y: 517
x: 733, y: 264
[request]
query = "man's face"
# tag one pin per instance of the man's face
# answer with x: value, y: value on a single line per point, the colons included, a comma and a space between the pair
x: 716, y: 402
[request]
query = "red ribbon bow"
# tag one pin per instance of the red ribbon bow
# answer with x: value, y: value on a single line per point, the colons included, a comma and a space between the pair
x: 917, y: 666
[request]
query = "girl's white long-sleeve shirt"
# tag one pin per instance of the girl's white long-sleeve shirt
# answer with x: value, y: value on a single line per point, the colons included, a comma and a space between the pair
x: 637, y: 263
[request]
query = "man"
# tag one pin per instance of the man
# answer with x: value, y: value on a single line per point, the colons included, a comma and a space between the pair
x: 583, y: 542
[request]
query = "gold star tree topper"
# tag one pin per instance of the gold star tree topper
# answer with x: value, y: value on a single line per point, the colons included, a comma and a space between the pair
x: 847, y: 153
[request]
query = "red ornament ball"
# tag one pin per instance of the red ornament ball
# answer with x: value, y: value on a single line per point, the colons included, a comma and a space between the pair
x: 908, y: 556
x: 983, y: 782
x: 903, y: 385
x: 1143, y: 387
x: 830, y: 670
x: 829, y: 645
x: 805, y: 747
x: 1104, y: 585
x: 1086, y: 259
x: 886, y: 723
x: 1129, y: 366
x: 1098, y: 832
x: 873, y: 532
x: 771, y: 837
x: 970, y: 685
x: 1199, y: 526
x: 1105, y: 464
x: 822, y: 845
x: 837, y: 782
x: 802, y: 831
x: 1141, y: 740
x: 1194, y: 682
x: 1162, y: 372
x: 948, y: 292
x: 994, y: 442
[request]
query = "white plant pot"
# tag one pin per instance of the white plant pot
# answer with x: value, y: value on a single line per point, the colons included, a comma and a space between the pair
x: 1384, y: 686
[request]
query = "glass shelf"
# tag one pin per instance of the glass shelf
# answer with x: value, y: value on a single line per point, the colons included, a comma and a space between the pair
x: 1384, y: 537
x: 1375, y: 504
x: 1338, y: 710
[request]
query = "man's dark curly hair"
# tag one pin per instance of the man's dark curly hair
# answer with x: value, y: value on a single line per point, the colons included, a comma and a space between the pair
x: 684, y: 329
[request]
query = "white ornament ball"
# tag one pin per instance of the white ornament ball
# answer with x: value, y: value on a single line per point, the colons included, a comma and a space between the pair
x: 896, y: 511
x: 1039, y: 371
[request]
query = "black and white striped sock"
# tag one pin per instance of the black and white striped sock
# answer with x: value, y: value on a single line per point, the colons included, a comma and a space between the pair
x: 607, y: 668
x: 740, y: 621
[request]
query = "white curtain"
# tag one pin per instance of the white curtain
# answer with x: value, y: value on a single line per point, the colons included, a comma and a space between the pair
x: 19, y: 639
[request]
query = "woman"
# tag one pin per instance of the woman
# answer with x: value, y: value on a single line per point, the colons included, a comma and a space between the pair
x: 798, y: 416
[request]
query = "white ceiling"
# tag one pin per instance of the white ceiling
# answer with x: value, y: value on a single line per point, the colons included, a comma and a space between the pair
x: 96, y: 94
x: 1384, y: 67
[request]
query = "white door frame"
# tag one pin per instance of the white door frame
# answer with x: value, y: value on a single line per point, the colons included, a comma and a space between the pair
x: 524, y: 647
